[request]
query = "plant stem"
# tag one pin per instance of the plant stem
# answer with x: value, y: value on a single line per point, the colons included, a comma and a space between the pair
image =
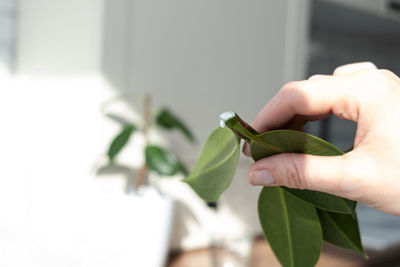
x: 246, y: 132
x: 142, y: 174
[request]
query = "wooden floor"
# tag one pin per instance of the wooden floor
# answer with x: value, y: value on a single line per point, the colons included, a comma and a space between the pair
x: 261, y: 255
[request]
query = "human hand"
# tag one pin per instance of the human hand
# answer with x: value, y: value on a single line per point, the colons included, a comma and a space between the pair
x: 370, y: 173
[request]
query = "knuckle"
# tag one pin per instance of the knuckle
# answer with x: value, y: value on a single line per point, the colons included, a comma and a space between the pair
x: 316, y: 76
x: 378, y: 84
x: 344, y: 186
x: 389, y: 76
x: 291, y: 88
x: 369, y: 63
x: 368, y: 73
x: 294, y: 177
x: 387, y: 73
x: 338, y: 70
x: 354, y: 67
x: 356, y: 171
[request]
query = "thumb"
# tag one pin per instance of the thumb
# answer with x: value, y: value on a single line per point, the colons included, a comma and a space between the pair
x: 302, y: 171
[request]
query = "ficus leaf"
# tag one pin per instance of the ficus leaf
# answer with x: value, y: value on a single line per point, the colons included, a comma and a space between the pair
x: 167, y: 120
x: 341, y: 230
x: 216, y: 166
x: 118, y: 119
x: 162, y: 161
x: 120, y: 141
x: 289, y: 141
x: 291, y: 227
x: 288, y: 217
x: 324, y: 201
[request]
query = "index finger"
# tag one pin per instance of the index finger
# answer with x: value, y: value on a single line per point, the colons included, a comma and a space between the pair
x: 313, y: 98
x: 307, y: 98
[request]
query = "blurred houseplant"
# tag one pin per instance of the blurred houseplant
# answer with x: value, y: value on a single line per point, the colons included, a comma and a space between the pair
x: 152, y: 210
x: 156, y: 158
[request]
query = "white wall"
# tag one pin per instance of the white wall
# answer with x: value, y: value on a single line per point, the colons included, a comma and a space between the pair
x: 204, y: 57
x: 7, y: 36
x: 59, y: 37
x: 200, y: 58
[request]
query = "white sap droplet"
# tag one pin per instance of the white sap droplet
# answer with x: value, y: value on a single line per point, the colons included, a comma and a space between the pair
x: 224, y: 117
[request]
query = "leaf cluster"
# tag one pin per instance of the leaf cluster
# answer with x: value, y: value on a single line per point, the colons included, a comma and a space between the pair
x: 295, y: 222
x: 157, y: 158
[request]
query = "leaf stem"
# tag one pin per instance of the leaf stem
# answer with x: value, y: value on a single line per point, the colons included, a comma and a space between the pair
x: 243, y: 130
x: 238, y: 126
x: 142, y: 175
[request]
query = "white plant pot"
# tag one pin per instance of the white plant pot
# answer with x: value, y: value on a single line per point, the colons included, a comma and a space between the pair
x: 134, y: 230
x: 152, y: 227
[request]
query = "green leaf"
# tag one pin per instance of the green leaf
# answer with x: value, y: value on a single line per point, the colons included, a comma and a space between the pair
x: 162, y: 161
x: 216, y: 166
x: 118, y: 119
x: 182, y: 168
x: 289, y: 141
x: 168, y: 120
x: 291, y: 227
x: 288, y: 216
x: 120, y: 141
x: 324, y: 201
x: 341, y: 230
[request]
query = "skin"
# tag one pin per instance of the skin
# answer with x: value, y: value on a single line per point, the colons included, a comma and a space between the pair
x: 359, y: 92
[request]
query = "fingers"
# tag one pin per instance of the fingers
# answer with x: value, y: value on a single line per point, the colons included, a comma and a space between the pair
x: 313, y: 97
x: 353, y: 68
x: 347, y: 69
x: 303, y: 171
x: 390, y: 74
x: 318, y: 76
x: 296, y: 123
x: 307, y: 98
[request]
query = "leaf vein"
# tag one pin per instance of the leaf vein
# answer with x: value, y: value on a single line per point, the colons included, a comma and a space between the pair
x: 287, y: 224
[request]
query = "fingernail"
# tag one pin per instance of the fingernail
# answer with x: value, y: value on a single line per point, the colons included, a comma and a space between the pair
x: 261, y: 177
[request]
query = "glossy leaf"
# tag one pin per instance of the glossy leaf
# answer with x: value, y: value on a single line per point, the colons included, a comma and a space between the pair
x: 324, y: 201
x: 120, y: 141
x: 291, y: 227
x: 162, y: 161
x: 341, y: 230
x: 289, y: 141
x: 168, y: 120
x: 216, y: 166
x: 288, y: 216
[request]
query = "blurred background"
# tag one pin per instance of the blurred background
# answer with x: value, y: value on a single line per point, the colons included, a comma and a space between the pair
x: 72, y: 73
